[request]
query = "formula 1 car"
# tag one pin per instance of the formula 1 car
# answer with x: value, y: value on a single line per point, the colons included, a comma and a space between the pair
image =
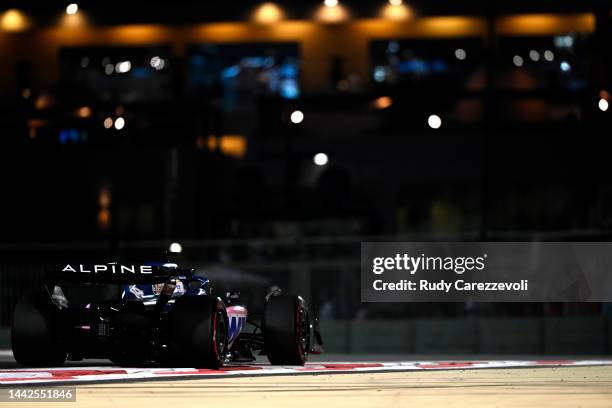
x: 154, y: 314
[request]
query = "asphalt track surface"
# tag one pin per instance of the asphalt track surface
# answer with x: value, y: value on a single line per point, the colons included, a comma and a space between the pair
x: 529, y: 386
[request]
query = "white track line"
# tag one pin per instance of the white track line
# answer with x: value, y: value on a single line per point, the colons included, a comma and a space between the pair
x: 81, y: 374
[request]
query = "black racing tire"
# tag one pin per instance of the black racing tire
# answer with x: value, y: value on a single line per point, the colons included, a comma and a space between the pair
x: 198, y: 329
x: 36, y: 331
x: 286, y: 330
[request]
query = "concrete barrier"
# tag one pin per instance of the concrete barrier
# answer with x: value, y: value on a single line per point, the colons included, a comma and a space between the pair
x: 575, y: 335
x: 336, y: 336
x: 510, y: 336
x: 384, y: 336
x: 562, y: 335
x: 452, y: 336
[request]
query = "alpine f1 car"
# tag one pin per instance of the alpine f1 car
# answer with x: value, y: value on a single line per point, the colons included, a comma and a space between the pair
x: 154, y: 314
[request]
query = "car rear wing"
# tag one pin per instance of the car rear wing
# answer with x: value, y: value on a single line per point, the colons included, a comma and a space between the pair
x: 116, y: 273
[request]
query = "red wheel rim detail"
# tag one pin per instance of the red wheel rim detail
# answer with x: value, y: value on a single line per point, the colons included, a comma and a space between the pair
x: 214, y: 336
x: 298, y: 330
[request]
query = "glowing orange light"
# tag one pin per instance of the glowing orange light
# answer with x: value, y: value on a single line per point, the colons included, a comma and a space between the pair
x: 104, y: 198
x: 73, y: 20
x: 84, y: 112
x: 13, y: 21
x: 397, y: 12
x: 104, y: 218
x: 268, y: 13
x: 104, y: 215
x: 383, y: 102
x: 213, y: 143
x: 138, y: 33
x: 545, y: 24
x: 234, y: 145
x: 231, y: 145
x: 44, y: 101
x: 332, y: 15
x: 603, y: 94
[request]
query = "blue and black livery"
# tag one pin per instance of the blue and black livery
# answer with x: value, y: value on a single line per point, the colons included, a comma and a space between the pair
x: 154, y: 314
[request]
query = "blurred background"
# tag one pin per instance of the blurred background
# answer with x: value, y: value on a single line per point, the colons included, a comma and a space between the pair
x: 267, y: 140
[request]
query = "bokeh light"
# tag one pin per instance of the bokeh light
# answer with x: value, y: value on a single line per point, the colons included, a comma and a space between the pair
x: 333, y: 13
x: 320, y: 159
x: 13, y: 21
x: 396, y: 12
x: 176, y: 248
x: 297, y: 117
x: 460, y: 54
x: 434, y: 121
x: 72, y: 9
x: 268, y: 13
x: 119, y: 123
x: 383, y: 102
x: 517, y: 60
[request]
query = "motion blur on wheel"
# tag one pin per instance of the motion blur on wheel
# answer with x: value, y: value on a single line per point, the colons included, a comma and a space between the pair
x: 155, y: 314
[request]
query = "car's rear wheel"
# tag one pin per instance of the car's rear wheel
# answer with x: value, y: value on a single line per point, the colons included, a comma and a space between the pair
x: 36, y: 331
x: 286, y: 330
x: 198, y: 328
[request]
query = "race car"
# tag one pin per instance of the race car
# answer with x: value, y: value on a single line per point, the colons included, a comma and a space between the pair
x: 142, y: 314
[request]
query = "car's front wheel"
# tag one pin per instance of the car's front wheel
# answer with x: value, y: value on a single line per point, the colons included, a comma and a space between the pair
x: 287, y: 330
